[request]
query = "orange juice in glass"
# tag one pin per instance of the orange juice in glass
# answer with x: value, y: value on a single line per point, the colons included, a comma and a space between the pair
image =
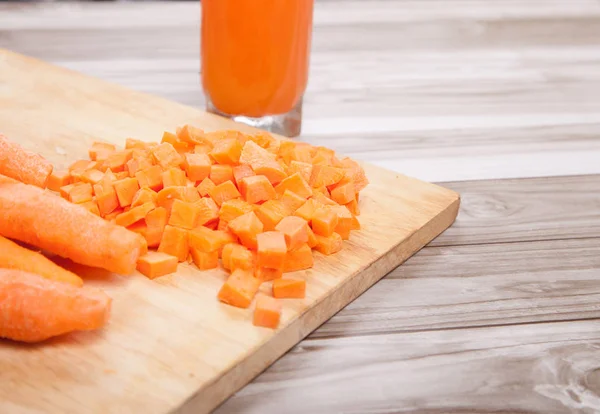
x: 255, y: 57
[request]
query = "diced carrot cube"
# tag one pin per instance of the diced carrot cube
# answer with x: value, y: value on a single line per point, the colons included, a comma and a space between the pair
x: 302, y: 154
x: 296, y: 184
x: 257, y: 188
x: 134, y: 215
x: 135, y: 165
x: 191, y: 134
x: 241, y: 171
x: 343, y: 194
x: 324, y: 222
x: 295, y: 230
x: 329, y: 245
x: 80, y: 193
x: 226, y: 151
x: 80, y: 165
x: 167, y: 196
x: 173, y: 177
x: 247, y: 227
x: 271, y: 213
x: 325, y: 175
x: 262, y: 162
x: 233, y: 208
x: 298, y: 259
x: 117, y: 160
x: 131, y: 143
x: 223, y: 192
x: 156, y: 264
x: 101, y: 150
x: 267, y: 312
x: 209, y: 211
x: 143, y: 196
x: 285, y: 150
x: 126, y: 189
x: 91, y: 206
x: 185, y: 215
x: 324, y: 199
x: 203, y: 148
x: 223, y: 225
x: 205, y: 260
x: 197, y: 166
x: 92, y: 176
x: 262, y: 139
x: 239, y: 289
x: 236, y: 256
x: 179, y: 145
x: 205, y: 187
x: 111, y: 216
x: 207, y: 240
x: 271, y: 249
x: 166, y: 156
x: 106, y: 198
x: 58, y: 179
x: 175, y: 242
x: 221, y: 173
x: 156, y: 220
x: 121, y: 175
x: 312, y: 239
x: 344, y: 225
x: 265, y: 274
x: 302, y: 168
x: 289, y: 288
x: 150, y: 177
x: 292, y: 200
x: 353, y: 207
x: 308, y: 209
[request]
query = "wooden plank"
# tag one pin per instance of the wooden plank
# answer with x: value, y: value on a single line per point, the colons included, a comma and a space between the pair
x: 478, y: 285
x: 549, y: 368
x: 171, y: 344
x: 504, y: 211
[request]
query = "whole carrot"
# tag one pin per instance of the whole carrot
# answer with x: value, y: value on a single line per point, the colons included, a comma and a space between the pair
x: 42, y: 219
x: 34, y: 308
x: 13, y: 256
x: 23, y: 165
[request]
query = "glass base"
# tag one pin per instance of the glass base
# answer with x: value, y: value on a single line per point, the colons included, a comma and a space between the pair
x: 288, y: 124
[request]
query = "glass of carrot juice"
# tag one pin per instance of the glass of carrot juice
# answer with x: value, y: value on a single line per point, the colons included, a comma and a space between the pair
x: 255, y: 58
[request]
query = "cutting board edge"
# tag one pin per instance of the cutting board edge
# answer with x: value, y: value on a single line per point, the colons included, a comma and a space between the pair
x: 240, y: 374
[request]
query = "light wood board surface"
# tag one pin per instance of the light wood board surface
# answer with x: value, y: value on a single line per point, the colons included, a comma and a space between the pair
x: 170, y: 344
x: 443, y: 90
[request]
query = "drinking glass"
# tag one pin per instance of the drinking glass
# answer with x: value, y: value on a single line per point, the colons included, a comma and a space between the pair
x: 255, y: 58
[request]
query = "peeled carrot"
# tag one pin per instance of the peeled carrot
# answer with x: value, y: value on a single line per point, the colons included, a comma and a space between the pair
x: 289, y: 288
x: 267, y: 312
x: 23, y: 165
x: 42, y: 219
x: 34, y: 308
x: 13, y: 256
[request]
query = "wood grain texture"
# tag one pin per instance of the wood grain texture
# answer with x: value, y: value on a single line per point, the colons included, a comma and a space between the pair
x: 440, y: 90
x: 550, y: 368
x: 171, y: 345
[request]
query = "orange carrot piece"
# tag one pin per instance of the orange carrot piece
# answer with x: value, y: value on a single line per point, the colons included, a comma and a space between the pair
x: 135, y: 165
x: 167, y: 196
x: 174, y: 177
x: 223, y: 192
x: 233, y: 208
x: 197, y: 166
x: 343, y: 194
x: 156, y: 264
x: 81, y: 165
x: 179, y: 145
x: 325, y: 175
x: 106, y: 198
x: 80, y: 193
x: 100, y: 151
x: 205, y: 260
x: 312, y: 239
x: 221, y: 173
x: 126, y: 189
x: 302, y: 153
x: 23, y: 165
x: 289, y: 288
x: 246, y: 227
x: 292, y: 200
x: 353, y: 207
x: 355, y: 223
x: 166, y: 156
x: 209, y: 211
x: 267, y: 312
x: 150, y: 177
x: 324, y: 198
x: 324, y: 222
x: 55, y: 225
x: 131, y: 143
x: 13, y: 256
x: 296, y: 184
x: 184, y: 215
x: 156, y: 220
x: 344, y: 225
x: 329, y: 245
x: 92, y: 176
x: 143, y: 196
x: 223, y: 225
x: 134, y: 215
x: 263, y: 139
x: 236, y: 256
x: 356, y: 174
x: 203, y: 148
x: 298, y: 259
x: 205, y: 187
x: 241, y: 171
x: 239, y: 289
x: 271, y: 213
x: 295, y: 230
x: 91, y: 206
x: 227, y: 151
x: 34, y: 309
x: 191, y: 134
x: 302, y: 168
x: 175, y: 242
x: 262, y: 162
x: 207, y: 240
x: 113, y: 215
x: 257, y: 188
x: 264, y: 274
x: 308, y: 209
x: 117, y: 160
x: 271, y: 249
x: 58, y: 179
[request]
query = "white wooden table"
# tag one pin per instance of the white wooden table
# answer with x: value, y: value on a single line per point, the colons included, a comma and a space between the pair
x: 498, y: 100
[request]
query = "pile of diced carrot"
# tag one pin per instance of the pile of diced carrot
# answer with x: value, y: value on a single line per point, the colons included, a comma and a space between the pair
x: 258, y: 204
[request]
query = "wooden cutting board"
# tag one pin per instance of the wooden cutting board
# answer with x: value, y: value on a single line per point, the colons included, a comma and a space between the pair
x: 170, y: 345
